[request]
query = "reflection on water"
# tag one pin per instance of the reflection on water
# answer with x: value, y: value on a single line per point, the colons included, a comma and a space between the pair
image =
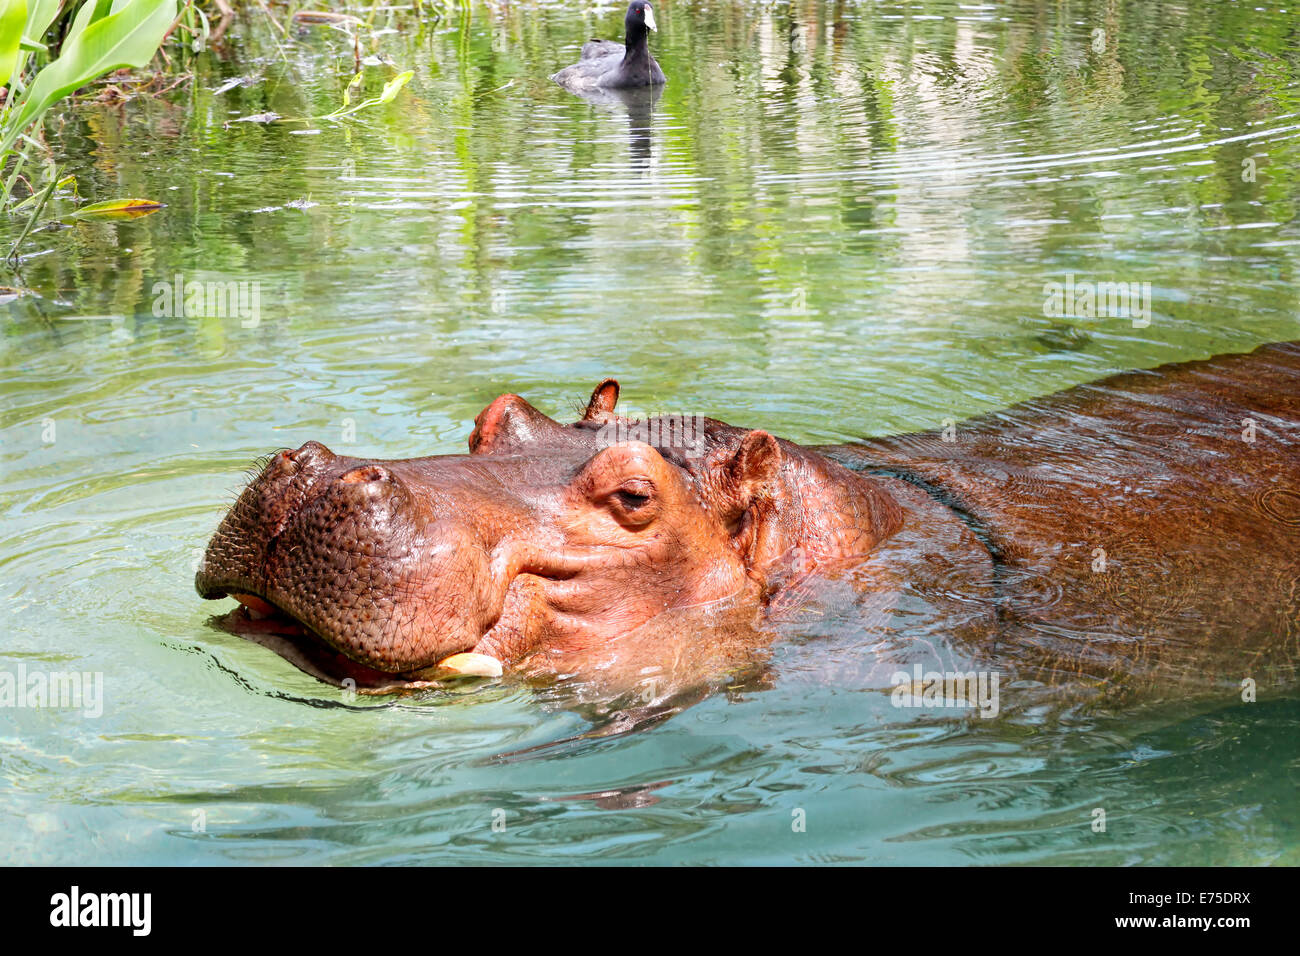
x: 639, y: 103
x: 839, y: 220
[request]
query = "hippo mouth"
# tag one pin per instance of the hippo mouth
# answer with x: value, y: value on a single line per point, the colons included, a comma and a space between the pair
x: 260, y: 621
x: 264, y: 618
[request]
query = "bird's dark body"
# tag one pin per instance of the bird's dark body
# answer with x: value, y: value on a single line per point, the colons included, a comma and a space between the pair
x: 608, y: 65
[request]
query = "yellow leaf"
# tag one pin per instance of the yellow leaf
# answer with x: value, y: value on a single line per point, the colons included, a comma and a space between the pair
x: 117, y: 209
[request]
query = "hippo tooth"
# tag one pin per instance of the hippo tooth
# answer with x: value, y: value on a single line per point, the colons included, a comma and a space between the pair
x: 468, y: 665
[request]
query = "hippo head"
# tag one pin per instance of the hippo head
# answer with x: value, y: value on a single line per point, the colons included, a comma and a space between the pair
x: 544, y: 536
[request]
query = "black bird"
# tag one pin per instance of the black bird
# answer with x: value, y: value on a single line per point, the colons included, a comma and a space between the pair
x: 608, y: 65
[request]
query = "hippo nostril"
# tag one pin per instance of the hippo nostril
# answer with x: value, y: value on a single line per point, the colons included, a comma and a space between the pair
x: 365, y: 474
x: 282, y: 464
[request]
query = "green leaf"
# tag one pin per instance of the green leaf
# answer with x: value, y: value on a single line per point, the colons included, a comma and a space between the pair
x: 40, y: 14
x: 13, y: 19
x: 91, y: 11
x: 128, y: 38
x: 390, y: 90
x: 347, y: 90
x: 394, y: 86
x: 45, y: 197
x: 116, y: 209
x: 13, y: 178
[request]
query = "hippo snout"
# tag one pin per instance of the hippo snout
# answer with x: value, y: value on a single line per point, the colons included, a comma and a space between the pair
x: 346, y: 549
x: 236, y: 557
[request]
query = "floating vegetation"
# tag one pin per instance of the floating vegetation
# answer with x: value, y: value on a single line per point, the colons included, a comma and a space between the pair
x: 386, y: 95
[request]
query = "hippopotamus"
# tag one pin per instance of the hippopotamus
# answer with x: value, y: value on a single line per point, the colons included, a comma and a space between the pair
x: 1134, y: 536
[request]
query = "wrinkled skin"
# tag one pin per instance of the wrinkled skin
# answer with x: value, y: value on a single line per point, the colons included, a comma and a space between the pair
x: 664, y: 552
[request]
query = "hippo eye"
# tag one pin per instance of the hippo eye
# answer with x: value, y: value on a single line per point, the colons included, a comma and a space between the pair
x: 622, y: 481
x: 632, y: 500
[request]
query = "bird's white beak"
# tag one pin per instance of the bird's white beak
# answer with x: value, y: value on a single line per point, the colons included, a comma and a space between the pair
x: 650, y: 19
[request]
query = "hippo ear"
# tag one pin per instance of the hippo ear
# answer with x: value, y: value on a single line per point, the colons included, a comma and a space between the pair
x: 506, y: 424
x: 746, y: 476
x: 603, y: 400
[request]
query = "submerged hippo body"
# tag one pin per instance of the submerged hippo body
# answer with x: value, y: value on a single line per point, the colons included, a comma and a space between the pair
x: 1136, y: 535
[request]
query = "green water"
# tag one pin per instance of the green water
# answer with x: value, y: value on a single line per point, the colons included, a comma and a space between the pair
x: 836, y: 222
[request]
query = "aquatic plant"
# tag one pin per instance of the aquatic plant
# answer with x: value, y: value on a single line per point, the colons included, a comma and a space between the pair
x: 102, y: 36
x: 105, y: 35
